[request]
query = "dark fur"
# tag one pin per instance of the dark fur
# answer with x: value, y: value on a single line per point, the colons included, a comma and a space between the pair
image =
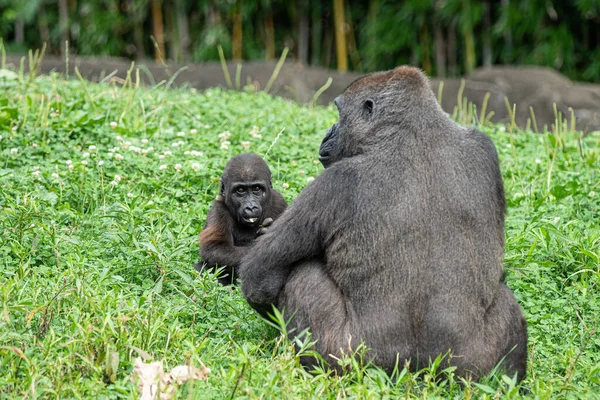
x: 399, y: 243
x: 227, y: 233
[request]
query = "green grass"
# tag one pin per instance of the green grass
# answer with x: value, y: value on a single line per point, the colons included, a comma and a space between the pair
x: 96, y: 270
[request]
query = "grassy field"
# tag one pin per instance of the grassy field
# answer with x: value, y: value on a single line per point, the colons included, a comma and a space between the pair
x: 105, y: 187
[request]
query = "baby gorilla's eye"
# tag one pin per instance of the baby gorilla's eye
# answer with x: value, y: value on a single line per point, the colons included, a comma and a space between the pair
x: 240, y: 190
x: 256, y: 189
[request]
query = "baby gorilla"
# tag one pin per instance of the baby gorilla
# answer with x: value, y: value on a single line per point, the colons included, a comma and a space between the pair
x: 246, y: 204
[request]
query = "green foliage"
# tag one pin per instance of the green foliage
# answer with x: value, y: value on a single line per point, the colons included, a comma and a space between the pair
x: 380, y: 34
x: 104, y: 188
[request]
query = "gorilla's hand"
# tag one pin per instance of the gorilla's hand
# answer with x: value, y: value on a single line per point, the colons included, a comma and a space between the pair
x: 263, y: 227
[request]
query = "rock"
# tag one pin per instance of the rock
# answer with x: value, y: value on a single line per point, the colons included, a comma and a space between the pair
x: 525, y: 86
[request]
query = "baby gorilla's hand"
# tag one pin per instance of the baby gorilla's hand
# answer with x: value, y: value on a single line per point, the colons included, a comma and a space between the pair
x: 263, y: 227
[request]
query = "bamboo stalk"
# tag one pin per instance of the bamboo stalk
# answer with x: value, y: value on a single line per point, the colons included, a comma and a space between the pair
x: 340, y: 36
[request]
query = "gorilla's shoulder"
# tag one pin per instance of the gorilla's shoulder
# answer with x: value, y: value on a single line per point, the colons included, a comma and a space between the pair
x: 482, y: 140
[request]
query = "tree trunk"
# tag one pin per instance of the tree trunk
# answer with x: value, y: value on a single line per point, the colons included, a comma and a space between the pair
x: 269, y: 34
x: 424, y: 35
x: 158, y: 30
x: 137, y: 15
x: 183, y: 30
x: 303, y: 30
x: 340, y: 36
x: 43, y: 26
x: 237, y: 31
x: 508, y: 46
x: 487, y: 34
x: 19, y: 31
x: 440, y: 54
x: 352, y: 48
x: 317, y: 33
x: 452, y: 67
x: 172, y: 35
x: 440, y: 42
x: 371, y: 63
x: 469, y: 38
x: 328, y: 46
x: 63, y: 23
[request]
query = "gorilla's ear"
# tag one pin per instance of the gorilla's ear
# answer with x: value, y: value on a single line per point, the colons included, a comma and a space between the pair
x: 222, y: 187
x: 368, y: 106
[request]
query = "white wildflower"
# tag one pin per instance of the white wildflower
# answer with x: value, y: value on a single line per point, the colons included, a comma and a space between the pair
x: 254, y: 133
x: 225, y: 135
x: 85, y: 155
x: 130, y: 195
x: 161, y: 157
x: 114, y: 183
x: 181, y: 134
x: 54, y: 175
x: 144, y: 142
x: 100, y: 163
x: 310, y: 179
x: 187, y: 152
x: 285, y: 186
x: 301, y: 172
x: 118, y: 157
x: 114, y: 125
x: 225, y: 145
x: 178, y: 167
x: 245, y: 145
x: 92, y: 148
x: 34, y: 145
x: 84, y: 162
x: 118, y: 178
x: 196, y: 153
x: 193, y: 131
x: 14, y: 150
x: 162, y: 167
x: 69, y: 162
x: 195, y: 167
x: 167, y: 153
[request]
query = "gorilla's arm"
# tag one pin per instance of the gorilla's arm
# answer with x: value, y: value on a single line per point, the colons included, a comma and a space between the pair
x: 216, y: 240
x: 299, y: 234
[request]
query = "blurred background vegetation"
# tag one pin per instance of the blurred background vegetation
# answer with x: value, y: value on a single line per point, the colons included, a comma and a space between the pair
x: 444, y: 37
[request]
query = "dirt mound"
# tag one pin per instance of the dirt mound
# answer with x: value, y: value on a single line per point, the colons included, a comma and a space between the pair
x: 528, y: 87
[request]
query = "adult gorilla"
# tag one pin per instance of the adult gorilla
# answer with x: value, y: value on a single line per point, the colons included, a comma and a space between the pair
x: 399, y: 243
